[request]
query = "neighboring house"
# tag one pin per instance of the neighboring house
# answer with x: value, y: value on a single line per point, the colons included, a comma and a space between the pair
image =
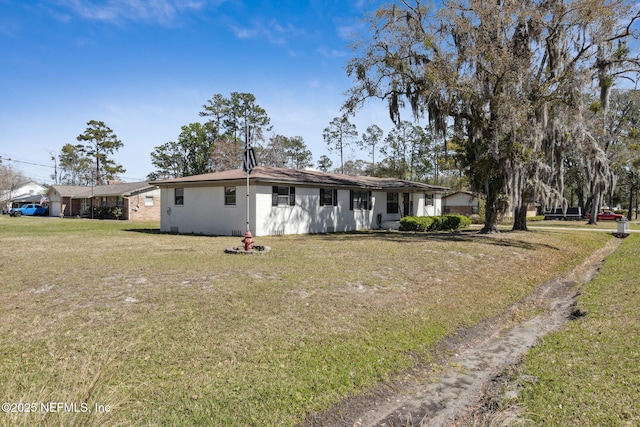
x: 288, y: 201
x: 30, y: 192
x: 138, y: 200
x: 461, y: 202
x: 468, y: 203
x: 532, y: 210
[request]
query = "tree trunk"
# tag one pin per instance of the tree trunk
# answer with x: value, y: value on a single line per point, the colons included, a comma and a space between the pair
x: 636, y: 206
x: 595, y: 206
x: 630, y: 202
x: 520, y: 218
x: 581, y: 199
x: 491, y: 215
x: 520, y: 212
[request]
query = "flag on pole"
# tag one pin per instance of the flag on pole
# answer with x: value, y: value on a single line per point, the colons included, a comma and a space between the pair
x: 249, y: 161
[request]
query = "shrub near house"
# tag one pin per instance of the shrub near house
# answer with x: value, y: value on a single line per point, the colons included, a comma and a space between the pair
x: 107, y: 212
x: 434, y: 223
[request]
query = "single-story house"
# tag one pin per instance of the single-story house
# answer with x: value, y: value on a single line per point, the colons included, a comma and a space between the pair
x: 468, y: 203
x: 137, y: 200
x: 461, y: 202
x: 288, y: 201
x: 31, y: 192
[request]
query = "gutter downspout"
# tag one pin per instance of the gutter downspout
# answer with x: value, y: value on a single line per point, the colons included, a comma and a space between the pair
x: 128, y: 206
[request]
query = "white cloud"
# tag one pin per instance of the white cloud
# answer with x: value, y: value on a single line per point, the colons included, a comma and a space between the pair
x: 273, y: 31
x: 119, y: 11
x: 332, y: 53
x: 245, y: 33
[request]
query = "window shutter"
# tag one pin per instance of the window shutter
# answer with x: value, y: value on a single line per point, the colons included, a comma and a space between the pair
x: 274, y: 196
x: 292, y: 196
x: 335, y: 197
x: 350, y: 200
x: 369, y: 200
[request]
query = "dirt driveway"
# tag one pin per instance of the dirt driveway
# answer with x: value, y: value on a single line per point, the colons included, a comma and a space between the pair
x: 450, y: 392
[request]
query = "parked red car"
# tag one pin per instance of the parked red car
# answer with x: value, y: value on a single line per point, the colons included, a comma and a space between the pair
x: 607, y: 215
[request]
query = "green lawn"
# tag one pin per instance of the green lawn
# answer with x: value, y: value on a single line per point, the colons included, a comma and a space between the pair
x: 168, y: 329
x: 589, y: 373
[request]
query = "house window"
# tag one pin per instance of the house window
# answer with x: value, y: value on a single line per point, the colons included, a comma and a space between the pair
x: 230, y: 196
x: 283, y: 196
x: 328, y: 197
x: 393, y: 203
x: 360, y: 200
x: 120, y: 201
x: 103, y: 201
x: 178, y: 196
x: 148, y: 200
x: 428, y: 199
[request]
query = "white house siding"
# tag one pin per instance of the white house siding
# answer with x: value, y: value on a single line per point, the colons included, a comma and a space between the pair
x: 418, y: 199
x: 462, y: 199
x: 307, y: 216
x: 55, y: 203
x: 434, y: 210
x: 204, y: 211
x: 30, y: 190
x: 421, y: 209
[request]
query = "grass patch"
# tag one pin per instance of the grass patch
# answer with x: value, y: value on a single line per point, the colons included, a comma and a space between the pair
x: 167, y: 329
x: 588, y: 374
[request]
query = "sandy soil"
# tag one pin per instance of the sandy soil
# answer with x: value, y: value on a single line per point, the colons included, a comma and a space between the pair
x: 457, y: 390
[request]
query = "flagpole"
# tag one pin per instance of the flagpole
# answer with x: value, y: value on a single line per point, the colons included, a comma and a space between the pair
x: 247, y: 166
x: 246, y: 154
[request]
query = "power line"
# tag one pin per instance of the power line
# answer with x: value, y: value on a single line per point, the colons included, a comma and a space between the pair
x: 8, y: 159
x: 25, y: 162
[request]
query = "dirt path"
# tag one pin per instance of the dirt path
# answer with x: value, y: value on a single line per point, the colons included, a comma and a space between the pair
x: 444, y: 394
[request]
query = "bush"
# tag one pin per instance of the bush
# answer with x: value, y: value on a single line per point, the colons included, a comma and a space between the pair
x: 416, y: 223
x: 434, y: 223
x: 477, y: 219
x: 107, y: 212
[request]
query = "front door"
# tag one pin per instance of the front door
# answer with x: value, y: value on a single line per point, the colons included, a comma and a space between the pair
x: 406, y: 205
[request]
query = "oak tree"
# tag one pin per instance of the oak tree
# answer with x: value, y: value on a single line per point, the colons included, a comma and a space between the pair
x: 507, y: 78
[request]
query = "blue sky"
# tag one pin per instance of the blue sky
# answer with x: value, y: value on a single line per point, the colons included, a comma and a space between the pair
x: 146, y: 68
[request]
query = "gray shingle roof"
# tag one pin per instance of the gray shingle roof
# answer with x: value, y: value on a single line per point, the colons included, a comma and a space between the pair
x: 81, y: 191
x: 265, y: 174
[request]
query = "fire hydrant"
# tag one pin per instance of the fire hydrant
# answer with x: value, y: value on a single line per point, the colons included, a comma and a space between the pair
x: 248, y: 241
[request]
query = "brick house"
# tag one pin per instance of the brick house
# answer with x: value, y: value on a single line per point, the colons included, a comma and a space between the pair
x: 461, y: 202
x: 468, y: 203
x: 136, y: 200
